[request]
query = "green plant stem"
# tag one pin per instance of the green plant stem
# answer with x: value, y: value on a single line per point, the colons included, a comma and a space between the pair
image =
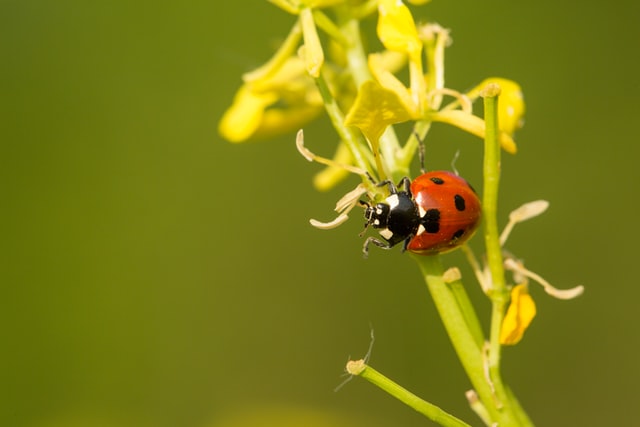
x: 463, y: 340
x: 498, y: 292
x: 337, y: 120
x: 468, y: 311
x: 327, y: 25
x: 428, y: 409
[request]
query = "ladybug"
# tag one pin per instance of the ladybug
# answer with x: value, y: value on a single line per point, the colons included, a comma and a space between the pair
x: 435, y: 213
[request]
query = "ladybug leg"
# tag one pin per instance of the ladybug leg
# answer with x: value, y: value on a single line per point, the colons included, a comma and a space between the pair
x: 393, y: 189
x: 406, y: 183
x: 377, y: 242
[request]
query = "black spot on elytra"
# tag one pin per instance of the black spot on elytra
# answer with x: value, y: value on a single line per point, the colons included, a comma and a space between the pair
x: 437, y: 181
x: 459, y: 201
x: 458, y: 234
x: 431, y: 221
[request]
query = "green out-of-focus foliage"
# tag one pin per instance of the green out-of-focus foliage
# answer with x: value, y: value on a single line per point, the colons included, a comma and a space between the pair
x: 155, y: 275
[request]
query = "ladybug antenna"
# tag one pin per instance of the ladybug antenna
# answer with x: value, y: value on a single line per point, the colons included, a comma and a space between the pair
x: 421, y: 151
x: 454, y: 160
x: 370, y: 178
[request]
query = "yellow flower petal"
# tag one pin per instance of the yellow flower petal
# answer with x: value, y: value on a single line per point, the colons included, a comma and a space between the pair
x: 244, y: 116
x: 374, y: 109
x: 277, y: 121
x: 272, y: 103
x: 387, y: 60
x: 396, y: 28
x: 474, y: 125
x: 519, y: 315
x: 290, y: 82
x: 282, y: 57
x: 378, y: 64
x: 511, y: 107
x: 321, y: 3
x: 312, y: 52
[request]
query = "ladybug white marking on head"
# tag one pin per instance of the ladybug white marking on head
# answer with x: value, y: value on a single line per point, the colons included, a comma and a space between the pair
x: 392, y: 201
x: 386, y: 233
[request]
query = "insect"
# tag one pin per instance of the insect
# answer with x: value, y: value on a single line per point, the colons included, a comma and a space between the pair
x: 435, y: 213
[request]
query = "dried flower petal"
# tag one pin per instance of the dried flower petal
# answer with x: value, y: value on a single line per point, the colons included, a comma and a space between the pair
x: 451, y: 275
x: 523, y: 213
x: 520, y: 272
x: 331, y: 175
x: 529, y: 210
x: 344, y: 206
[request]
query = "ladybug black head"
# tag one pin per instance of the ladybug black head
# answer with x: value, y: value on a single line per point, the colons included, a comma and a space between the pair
x: 376, y: 215
x: 397, y: 218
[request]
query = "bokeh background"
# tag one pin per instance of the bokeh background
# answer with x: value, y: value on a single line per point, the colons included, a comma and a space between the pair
x: 156, y: 275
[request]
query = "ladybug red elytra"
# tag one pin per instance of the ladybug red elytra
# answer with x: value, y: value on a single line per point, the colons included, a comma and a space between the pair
x: 435, y: 213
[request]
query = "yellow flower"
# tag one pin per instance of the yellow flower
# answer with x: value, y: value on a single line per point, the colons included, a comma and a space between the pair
x: 398, y: 33
x: 280, y: 96
x: 272, y: 103
x: 317, y: 4
x: 245, y: 115
x: 511, y: 107
x: 382, y: 66
x: 376, y: 108
x: 396, y: 28
x: 312, y: 49
x: 519, y: 315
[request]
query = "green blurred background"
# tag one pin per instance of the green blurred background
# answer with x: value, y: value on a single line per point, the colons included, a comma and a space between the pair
x: 155, y: 275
